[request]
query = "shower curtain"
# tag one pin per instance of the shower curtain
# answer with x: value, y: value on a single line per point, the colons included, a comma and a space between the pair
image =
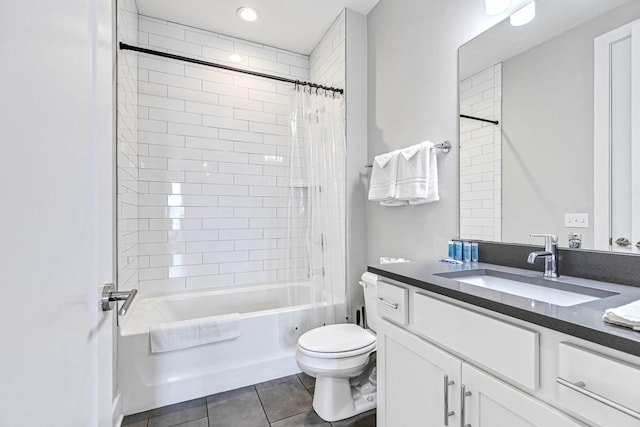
x: 316, y: 210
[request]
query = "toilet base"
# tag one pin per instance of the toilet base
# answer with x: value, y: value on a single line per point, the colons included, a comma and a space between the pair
x: 336, y: 399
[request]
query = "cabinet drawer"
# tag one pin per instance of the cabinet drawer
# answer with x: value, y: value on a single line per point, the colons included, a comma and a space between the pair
x: 598, y: 387
x: 392, y: 302
x: 506, y: 349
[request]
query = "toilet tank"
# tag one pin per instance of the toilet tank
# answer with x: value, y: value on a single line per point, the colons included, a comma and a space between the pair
x: 369, y: 284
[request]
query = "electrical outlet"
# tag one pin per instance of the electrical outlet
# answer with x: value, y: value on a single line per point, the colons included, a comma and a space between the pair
x: 576, y: 220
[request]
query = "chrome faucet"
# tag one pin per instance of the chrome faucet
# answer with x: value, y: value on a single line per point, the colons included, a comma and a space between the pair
x: 550, y: 254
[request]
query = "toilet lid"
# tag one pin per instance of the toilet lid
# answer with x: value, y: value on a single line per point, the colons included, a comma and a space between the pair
x: 336, y: 338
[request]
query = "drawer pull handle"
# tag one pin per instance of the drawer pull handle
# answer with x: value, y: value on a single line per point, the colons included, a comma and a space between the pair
x: 463, y: 407
x: 392, y: 305
x: 447, y: 412
x: 580, y: 387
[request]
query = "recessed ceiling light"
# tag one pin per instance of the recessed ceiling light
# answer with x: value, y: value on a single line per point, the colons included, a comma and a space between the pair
x: 234, y: 57
x: 247, y: 13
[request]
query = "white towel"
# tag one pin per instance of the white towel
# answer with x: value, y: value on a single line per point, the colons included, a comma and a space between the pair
x: 170, y: 336
x: 369, y: 278
x: 626, y: 315
x: 417, y: 180
x: 383, y: 179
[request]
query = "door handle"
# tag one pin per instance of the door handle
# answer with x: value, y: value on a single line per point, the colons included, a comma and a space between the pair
x: 447, y: 412
x: 393, y: 305
x: 580, y: 387
x: 463, y: 407
x: 110, y: 296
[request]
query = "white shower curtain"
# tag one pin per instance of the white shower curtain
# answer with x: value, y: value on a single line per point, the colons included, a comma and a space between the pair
x: 316, y: 217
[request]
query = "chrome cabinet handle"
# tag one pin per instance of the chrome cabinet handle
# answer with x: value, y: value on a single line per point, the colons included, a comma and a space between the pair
x: 447, y: 412
x: 463, y: 394
x: 392, y: 305
x: 109, y: 298
x: 580, y: 387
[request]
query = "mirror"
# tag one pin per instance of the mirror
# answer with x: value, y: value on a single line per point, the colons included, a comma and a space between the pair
x: 536, y: 165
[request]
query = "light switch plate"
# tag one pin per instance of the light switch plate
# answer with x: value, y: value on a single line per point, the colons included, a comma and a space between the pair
x: 576, y: 220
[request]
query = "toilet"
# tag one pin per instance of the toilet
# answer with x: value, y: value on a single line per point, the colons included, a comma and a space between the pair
x: 341, y: 357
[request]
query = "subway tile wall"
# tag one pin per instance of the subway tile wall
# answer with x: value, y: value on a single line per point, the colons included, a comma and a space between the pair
x: 213, y: 161
x: 328, y: 58
x: 480, y: 156
x: 127, y: 148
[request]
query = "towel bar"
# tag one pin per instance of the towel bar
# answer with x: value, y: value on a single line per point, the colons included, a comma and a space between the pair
x: 445, y: 147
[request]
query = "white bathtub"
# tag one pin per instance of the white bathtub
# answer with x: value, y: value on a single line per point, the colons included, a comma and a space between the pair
x: 265, y: 349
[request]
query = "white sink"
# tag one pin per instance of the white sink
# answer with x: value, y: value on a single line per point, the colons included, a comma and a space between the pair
x: 550, y: 291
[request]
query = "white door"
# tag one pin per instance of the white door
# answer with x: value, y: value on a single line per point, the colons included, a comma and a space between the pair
x: 617, y: 138
x: 411, y: 381
x: 55, y: 212
x: 492, y: 403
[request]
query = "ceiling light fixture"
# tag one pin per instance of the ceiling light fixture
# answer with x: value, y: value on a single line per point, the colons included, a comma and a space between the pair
x: 494, y: 7
x: 247, y: 13
x: 524, y: 15
x: 234, y: 57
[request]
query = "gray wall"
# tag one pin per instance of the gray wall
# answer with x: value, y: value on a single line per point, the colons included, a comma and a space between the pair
x: 413, y: 96
x: 356, y: 113
x: 547, y: 139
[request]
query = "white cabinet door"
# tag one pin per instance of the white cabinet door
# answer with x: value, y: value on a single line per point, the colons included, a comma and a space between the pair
x: 492, y: 403
x: 411, y: 381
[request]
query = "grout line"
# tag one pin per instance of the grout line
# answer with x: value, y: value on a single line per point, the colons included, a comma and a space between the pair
x: 206, y: 405
x: 261, y: 404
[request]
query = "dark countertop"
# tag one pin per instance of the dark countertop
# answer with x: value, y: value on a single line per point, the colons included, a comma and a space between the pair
x: 582, y: 321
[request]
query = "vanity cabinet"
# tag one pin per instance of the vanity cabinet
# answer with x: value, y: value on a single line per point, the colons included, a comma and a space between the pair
x: 443, y: 364
x: 598, y: 387
x: 490, y: 402
x: 418, y: 383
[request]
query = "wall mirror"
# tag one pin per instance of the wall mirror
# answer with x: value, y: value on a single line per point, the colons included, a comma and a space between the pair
x: 557, y: 146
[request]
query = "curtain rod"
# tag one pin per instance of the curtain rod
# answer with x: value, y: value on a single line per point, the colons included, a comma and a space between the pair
x: 125, y: 46
x: 495, y: 122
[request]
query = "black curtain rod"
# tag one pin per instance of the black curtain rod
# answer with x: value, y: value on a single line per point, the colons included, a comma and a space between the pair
x: 495, y: 122
x: 125, y: 46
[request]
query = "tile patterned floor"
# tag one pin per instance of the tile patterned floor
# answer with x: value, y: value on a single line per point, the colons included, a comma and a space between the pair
x: 283, y: 402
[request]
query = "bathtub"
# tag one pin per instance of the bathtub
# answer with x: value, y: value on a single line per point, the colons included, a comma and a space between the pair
x: 264, y: 350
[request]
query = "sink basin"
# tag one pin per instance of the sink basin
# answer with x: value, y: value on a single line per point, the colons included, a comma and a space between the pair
x: 550, y: 291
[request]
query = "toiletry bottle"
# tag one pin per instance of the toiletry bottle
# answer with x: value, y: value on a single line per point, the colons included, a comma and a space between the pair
x: 466, y: 248
x: 474, y: 251
x: 452, y: 250
x: 458, y: 250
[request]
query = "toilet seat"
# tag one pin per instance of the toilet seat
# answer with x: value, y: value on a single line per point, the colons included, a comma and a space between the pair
x: 336, y: 341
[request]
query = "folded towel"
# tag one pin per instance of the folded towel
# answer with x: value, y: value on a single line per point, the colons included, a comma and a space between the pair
x: 626, y: 315
x: 417, y: 179
x: 383, y: 179
x: 392, y: 260
x: 369, y: 278
x: 170, y: 336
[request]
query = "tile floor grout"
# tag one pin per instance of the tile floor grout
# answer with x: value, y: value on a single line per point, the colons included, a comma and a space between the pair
x: 288, y: 400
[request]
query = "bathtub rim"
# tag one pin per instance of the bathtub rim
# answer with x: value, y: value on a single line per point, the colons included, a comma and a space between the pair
x: 126, y: 328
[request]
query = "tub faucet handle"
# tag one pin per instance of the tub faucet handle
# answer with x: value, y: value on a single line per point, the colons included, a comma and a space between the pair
x: 110, y: 296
